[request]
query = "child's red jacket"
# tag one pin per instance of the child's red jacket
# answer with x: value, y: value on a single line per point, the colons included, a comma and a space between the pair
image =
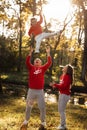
x: 36, y: 29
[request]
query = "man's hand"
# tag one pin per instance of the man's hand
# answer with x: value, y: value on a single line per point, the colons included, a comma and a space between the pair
x: 31, y: 50
x: 48, y: 50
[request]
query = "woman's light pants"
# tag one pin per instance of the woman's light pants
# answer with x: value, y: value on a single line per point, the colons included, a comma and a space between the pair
x: 63, y: 99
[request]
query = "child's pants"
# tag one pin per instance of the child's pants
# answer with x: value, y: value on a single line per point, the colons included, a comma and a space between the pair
x: 42, y: 36
x: 63, y: 99
x: 34, y: 94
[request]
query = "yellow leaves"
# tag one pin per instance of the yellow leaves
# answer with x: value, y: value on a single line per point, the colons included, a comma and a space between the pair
x: 12, y: 114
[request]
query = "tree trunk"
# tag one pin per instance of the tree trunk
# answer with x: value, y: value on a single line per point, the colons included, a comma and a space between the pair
x: 1, y: 90
x: 20, y: 42
x: 34, y: 7
x: 84, y: 62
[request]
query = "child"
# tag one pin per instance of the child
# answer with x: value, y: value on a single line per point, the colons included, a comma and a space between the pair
x: 64, y: 88
x: 36, y: 31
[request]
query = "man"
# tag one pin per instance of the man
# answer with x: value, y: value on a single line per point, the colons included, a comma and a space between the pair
x: 36, y: 87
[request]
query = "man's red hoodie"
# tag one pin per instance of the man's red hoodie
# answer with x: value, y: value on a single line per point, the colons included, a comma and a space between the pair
x: 36, y: 74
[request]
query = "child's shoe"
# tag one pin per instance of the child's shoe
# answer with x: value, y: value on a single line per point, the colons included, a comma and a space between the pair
x: 37, y: 51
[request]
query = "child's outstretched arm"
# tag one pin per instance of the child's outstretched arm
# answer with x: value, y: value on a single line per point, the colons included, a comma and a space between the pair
x: 41, y: 17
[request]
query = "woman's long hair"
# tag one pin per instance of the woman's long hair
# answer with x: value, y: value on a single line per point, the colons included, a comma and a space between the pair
x: 70, y: 72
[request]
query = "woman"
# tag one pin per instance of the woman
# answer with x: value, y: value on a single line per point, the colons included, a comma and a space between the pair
x: 64, y: 88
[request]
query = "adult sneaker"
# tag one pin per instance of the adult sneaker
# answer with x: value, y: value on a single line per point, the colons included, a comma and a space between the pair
x: 42, y: 127
x: 24, y: 127
x: 61, y: 127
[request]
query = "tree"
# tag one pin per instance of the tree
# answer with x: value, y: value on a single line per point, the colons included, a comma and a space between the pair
x: 82, y: 5
x: 7, y: 58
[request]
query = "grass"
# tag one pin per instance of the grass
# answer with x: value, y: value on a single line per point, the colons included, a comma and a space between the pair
x: 12, y: 113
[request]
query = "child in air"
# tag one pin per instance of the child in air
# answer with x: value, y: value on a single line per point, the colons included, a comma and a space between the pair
x: 36, y: 32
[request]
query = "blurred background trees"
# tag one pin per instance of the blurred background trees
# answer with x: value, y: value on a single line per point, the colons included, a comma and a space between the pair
x: 70, y: 47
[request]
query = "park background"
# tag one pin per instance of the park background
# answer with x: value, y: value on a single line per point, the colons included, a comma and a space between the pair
x: 70, y: 47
